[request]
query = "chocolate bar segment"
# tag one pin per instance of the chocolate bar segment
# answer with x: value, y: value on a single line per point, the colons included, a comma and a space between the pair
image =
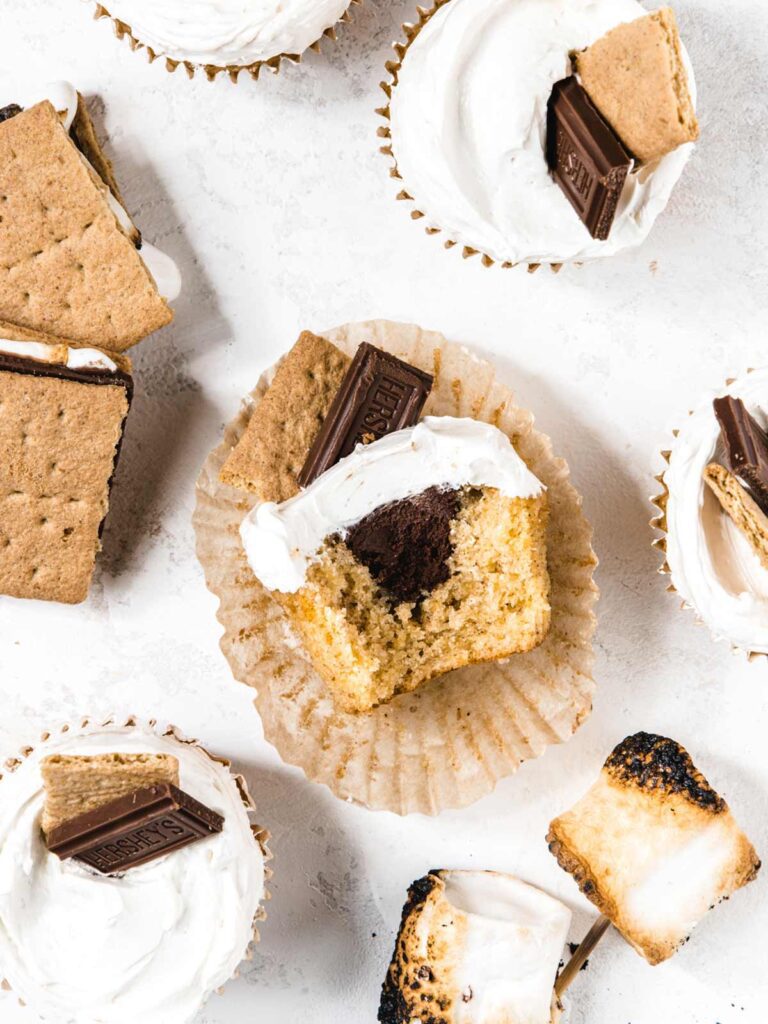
x: 746, y: 447
x: 135, y: 829
x: 379, y: 394
x: 585, y: 156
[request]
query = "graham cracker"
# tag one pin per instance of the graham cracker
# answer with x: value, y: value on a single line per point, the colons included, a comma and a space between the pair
x: 66, y: 266
x: 275, y: 445
x: 84, y: 136
x: 636, y: 77
x: 75, y: 784
x: 741, y: 507
x: 59, y: 442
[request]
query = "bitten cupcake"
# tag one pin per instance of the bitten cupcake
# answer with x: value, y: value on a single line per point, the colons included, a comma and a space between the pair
x: 536, y: 132
x: 715, y: 512
x: 225, y: 35
x: 130, y: 875
x: 404, y: 570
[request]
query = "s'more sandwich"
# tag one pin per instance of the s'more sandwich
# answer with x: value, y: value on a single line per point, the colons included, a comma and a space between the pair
x: 62, y: 414
x: 652, y: 845
x: 72, y: 262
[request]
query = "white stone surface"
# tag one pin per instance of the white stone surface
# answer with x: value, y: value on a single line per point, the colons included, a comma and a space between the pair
x: 273, y: 198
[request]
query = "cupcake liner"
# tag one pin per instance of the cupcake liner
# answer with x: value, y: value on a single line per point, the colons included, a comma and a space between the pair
x: 659, y: 524
x: 85, y: 725
x: 449, y: 742
x: 233, y: 71
x: 411, y: 30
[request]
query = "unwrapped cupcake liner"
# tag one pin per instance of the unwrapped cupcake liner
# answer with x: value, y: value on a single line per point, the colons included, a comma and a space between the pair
x: 211, y: 71
x: 659, y: 524
x: 86, y: 725
x: 411, y: 30
x: 449, y: 742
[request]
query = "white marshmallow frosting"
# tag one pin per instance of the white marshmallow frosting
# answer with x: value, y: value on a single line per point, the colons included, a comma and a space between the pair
x: 74, y: 359
x: 468, y: 122
x: 148, y: 946
x: 227, y: 32
x: 63, y: 97
x: 713, y: 567
x: 280, y: 540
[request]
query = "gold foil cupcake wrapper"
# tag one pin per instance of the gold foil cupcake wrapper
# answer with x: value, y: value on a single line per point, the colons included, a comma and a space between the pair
x: 85, y: 725
x: 411, y: 30
x: 449, y: 742
x: 212, y: 71
x: 658, y: 523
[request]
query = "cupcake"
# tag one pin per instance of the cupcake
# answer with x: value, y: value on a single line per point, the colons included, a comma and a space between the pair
x: 64, y: 221
x: 549, y: 132
x: 475, y: 947
x: 714, y: 513
x: 130, y: 875
x: 404, y: 572
x: 225, y: 35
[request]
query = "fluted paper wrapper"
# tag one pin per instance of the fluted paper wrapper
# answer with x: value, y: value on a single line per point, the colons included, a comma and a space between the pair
x: 659, y: 523
x: 86, y: 725
x: 449, y: 742
x: 211, y: 71
x: 410, y: 31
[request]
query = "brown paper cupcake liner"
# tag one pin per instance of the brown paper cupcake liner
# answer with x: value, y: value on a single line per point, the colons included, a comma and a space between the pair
x: 211, y: 71
x: 261, y: 835
x: 411, y: 30
x: 658, y: 523
x: 450, y: 741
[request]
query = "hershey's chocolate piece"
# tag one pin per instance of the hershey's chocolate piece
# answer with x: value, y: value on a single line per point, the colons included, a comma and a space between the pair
x: 135, y: 829
x: 379, y: 394
x: 746, y: 447
x: 585, y: 156
x: 6, y: 113
x: 406, y: 544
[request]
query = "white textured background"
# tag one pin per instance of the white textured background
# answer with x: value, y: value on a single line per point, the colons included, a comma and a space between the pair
x: 275, y: 202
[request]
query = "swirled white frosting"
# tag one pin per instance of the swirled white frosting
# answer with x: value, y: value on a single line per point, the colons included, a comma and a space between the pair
x: 713, y: 567
x: 227, y: 32
x: 148, y: 946
x: 63, y: 97
x: 468, y: 121
x: 72, y: 358
x: 281, y: 540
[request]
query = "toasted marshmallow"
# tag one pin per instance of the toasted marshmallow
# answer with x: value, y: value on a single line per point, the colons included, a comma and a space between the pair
x: 475, y: 947
x: 652, y: 845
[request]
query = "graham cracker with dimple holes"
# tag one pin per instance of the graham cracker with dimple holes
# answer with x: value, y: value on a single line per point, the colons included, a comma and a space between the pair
x: 741, y: 507
x: 275, y: 445
x: 636, y: 77
x: 84, y: 136
x: 59, y: 441
x: 66, y: 265
x: 75, y: 784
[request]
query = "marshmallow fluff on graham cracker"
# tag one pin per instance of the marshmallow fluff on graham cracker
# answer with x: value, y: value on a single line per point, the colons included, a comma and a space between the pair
x: 652, y: 845
x: 475, y: 947
x: 75, y: 263
x: 419, y: 552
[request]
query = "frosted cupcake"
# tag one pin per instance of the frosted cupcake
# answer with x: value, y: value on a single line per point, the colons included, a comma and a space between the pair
x: 714, y: 512
x: 116, y: 926
x: 225, y: 35
x: 495, y: 157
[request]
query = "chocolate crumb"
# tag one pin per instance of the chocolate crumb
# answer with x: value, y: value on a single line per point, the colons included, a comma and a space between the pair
x: 6, y: 113
x: 406, y: 544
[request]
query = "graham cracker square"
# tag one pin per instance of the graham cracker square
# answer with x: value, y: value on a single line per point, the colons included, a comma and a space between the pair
x: 636, y: 77
x: 275, y: 445
x: 741, y: 507
x: 66, y: 265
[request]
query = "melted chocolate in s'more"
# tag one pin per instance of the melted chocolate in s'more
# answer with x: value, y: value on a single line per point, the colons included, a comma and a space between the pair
x: 135, y: 829
x: 379, y: 394
x: 585, y: 156
x: 746, y: 447
x: 6, y: 113
x: 406, y: 544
